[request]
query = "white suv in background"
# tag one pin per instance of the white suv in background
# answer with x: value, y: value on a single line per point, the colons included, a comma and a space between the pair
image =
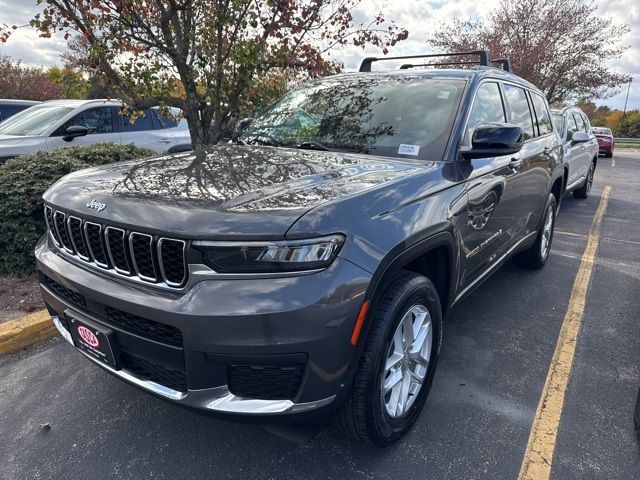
x: 580, y: 149
x: 64, y: 123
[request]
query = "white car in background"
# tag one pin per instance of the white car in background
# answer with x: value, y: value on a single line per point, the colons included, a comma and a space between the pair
x: 64, y: 123
x: 580, y: 149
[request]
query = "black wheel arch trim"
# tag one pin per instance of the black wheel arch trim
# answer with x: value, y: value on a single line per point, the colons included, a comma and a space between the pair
x: 392, y: 264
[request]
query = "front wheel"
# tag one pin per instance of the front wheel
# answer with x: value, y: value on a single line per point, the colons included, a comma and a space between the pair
x: 398, y: 362
x: 536, y: 256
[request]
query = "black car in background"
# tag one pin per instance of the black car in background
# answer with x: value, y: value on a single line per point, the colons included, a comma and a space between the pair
x: 11, y: 107
x: 306, y: 269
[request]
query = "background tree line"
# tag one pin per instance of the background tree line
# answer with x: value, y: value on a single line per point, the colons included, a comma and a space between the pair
x: 625, y: 125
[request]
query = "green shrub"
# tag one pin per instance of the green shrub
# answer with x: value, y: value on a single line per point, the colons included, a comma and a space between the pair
x: 24, y: 179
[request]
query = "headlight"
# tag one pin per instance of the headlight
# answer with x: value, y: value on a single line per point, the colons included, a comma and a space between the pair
x: 270, y: 257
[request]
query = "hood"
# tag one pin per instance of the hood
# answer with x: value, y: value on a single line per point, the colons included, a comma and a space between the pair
x: 6, y: 140
x: 9, y: 141
x: 231, y: 190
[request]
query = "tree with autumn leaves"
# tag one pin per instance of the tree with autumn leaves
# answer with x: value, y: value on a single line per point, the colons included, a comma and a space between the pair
x: 561, y: 46
x: 217, y: 51
x: 26, y: 82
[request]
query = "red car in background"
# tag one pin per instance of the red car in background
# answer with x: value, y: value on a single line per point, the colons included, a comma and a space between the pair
x: 605, y: 140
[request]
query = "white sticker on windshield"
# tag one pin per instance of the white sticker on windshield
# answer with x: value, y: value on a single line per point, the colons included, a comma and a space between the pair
x: 409, y: 149
x: 444, y: 94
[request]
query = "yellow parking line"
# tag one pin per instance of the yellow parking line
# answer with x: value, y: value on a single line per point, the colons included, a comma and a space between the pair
x: 613, y: 162
x: 538, y: 456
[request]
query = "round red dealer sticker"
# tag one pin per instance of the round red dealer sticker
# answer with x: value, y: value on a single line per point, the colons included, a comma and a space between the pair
x: 88, y: 336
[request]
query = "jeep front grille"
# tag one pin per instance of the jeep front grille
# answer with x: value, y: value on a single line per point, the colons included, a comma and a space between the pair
x: 129, y: 253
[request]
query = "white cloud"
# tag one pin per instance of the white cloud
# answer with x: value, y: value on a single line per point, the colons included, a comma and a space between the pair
x: 418, y: 16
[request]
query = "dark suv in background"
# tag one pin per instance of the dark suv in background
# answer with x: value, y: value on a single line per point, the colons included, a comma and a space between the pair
x: 305, y: 270
x: 9, y: 108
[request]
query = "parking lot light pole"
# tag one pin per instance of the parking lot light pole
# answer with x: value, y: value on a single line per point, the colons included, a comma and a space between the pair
x: 624, y: 111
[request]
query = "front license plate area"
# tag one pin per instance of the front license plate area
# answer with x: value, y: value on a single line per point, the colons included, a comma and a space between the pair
x: 95, y: 340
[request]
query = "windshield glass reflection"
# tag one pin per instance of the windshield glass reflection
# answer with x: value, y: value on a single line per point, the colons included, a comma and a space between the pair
x: 400, y: 116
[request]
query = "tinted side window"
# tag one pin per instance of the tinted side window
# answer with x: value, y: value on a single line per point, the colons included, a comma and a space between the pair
x: 140, y: 124
x: 487, y: 108
x: 97, y: 120
x: 6, y: 112
x: 542, y: 114
x: 580, y: 122
x: 518, y: 109
x: 587, y: 125
x: 572, y: 126
x: 165, y: 122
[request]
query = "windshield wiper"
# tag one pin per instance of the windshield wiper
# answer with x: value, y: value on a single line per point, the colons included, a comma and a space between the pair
x: 312, y: 146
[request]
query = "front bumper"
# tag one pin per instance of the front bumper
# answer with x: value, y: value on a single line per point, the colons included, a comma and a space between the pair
x: 302, y: 323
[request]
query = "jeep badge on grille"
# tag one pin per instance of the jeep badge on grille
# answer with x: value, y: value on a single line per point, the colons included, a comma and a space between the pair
x: 96, y: 205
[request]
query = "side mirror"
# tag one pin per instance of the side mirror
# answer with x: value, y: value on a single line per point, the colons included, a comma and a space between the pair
x: 242, y: 124
x: 580, y: 137
x: 494, y: 140
x: 75, y: 131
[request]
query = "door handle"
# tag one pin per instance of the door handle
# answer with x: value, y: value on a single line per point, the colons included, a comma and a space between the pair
x: 166, y: 140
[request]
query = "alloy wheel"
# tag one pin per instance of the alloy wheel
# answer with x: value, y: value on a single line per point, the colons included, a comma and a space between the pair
x: 407, y: 361
x: 547, y: 231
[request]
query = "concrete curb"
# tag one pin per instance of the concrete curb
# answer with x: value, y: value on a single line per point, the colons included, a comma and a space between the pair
x: 23, y: 332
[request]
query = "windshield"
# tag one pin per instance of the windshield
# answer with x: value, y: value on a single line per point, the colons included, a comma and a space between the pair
x: 34, y: 120
x: 558, y: 122
x: 399, y: 116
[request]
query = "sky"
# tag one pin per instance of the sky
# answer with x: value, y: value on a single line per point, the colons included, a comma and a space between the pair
x: 420, y: 17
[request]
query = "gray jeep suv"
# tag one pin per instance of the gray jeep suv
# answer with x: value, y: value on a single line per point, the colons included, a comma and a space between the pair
x: 305, y: 269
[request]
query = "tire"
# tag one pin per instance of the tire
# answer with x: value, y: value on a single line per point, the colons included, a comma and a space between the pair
x: 536, y: 256
x: 636, y: 418
x: 608, y: 154
x: 365, y: 415
x: 585, y: 189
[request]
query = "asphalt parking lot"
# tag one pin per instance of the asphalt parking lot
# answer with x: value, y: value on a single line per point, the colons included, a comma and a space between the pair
x: 497, y: 351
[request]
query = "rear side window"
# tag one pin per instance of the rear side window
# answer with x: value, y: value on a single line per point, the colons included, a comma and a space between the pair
x: 487, y: 108
x: 6, y: 112
x: 164, y: 121
x: 518, y: 109
x: 542, y: 115
x: 572, y: 126
x: 140, y: 124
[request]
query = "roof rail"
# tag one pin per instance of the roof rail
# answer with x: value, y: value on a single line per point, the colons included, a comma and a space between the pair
x: 505, y: 62
x: 407, y: 66
x: 483, y: 59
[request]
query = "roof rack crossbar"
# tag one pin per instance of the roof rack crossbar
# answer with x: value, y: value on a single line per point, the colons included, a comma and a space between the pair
x: 406, y: 66
x: 505, y: 62
x: 483, y: 55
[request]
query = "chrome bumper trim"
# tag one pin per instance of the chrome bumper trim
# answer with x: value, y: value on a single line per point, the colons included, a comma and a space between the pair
x: 217, y: 399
